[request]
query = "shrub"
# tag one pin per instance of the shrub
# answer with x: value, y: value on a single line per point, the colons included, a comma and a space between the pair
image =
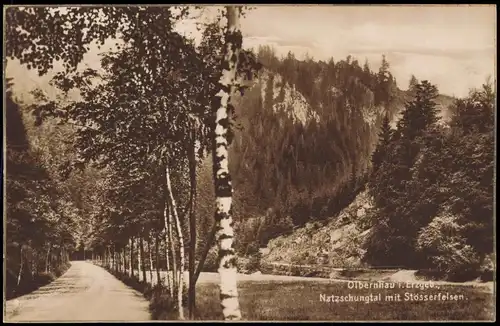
x: 310, y: 260
x: 253, y: 263
x: 162, y: 306
x: 148, y: 290
x: 447, y: 250
x: 267, y: 268
x: 365, y: 221
x: 487, y: 268
x: 253, y: 248
x: 298, y: 258
x: 61, y: 269
x: 44, y: 278
x: 295, y: 271
x: 212, y: 261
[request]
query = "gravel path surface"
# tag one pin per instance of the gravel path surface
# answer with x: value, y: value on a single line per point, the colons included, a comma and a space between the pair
x: 86, y: 292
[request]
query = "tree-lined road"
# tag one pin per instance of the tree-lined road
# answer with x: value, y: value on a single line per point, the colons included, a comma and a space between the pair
x: 86, y: 292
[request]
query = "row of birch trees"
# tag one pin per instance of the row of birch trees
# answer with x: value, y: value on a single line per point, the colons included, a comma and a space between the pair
x: 157, y: 106
x: 40, y: 209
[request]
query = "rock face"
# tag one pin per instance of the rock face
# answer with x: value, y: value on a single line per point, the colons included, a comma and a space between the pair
x: 286, y: 98
x: 337, y: 244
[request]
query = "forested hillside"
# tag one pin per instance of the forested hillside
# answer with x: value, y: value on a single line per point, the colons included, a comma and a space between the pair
x: 429, y: 199
x: 306, y: 133
x: 302, y: 146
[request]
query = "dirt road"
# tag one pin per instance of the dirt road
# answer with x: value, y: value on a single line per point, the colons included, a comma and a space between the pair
x: 86, y: 292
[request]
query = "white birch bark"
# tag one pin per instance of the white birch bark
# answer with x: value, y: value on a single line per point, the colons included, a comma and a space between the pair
x: 157, y: 254
x: 124, y: 260
x: 167, y: 243
x: 142, y: 259
x: 20, y: 267
x: 192, y: 222
x: 173, y: 206
x: 131, y: 263
x: 223, y: 188
x: 139, y: 259
x: 150, y: 246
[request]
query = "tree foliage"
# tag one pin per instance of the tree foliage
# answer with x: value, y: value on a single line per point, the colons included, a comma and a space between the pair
x: 41, y: 217
x: 146, y: 109
x: 434, y: 188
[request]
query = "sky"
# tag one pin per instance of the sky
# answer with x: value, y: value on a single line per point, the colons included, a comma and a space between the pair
x: 453, y: 46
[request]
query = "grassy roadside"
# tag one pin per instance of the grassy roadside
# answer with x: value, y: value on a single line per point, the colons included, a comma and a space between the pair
x: 309, y: 301
x: 306, y: 300
x: 161, y: 304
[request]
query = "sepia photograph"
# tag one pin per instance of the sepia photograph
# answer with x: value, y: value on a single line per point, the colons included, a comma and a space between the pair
x: 329, y: 163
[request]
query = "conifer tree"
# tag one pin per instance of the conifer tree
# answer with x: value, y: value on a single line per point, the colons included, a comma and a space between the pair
x: 384, y: 138
x: 413, y: 83
x: 420, y: 113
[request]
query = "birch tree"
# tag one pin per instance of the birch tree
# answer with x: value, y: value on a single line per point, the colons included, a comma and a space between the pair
x: 222, y: 179
x: 41, y: 217
x: 163, y: 85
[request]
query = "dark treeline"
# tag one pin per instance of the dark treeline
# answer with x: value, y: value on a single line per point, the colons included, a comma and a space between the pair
x: 432, y: 186
x: 41, y: 211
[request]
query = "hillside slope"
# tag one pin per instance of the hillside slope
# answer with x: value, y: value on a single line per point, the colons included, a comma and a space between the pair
x: 303, y: 146
x: 337, y: 243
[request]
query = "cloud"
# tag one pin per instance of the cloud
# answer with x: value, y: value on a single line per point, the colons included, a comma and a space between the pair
x: 452, y: 46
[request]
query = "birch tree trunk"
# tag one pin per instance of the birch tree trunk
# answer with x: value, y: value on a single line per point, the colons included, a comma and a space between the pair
x: 168, y: 242
x: 148, y: 242
x: 138, y: 259
x: 157, y: 247
x: 125, y: 260
x: 34, y: 264
x: 116, y: 259
x: 20, y: 267
x: 111, y: 258
x: 223, y: 188
x: 192, y: 224
x: 47, y: 262
x: 119, y: 260
x: 142, y: 258
x: 132, y: 257
x: 204, y: 254
x: 173, y: 206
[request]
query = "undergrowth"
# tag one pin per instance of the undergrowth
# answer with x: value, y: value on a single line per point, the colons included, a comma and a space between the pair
x: 32, y: 283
